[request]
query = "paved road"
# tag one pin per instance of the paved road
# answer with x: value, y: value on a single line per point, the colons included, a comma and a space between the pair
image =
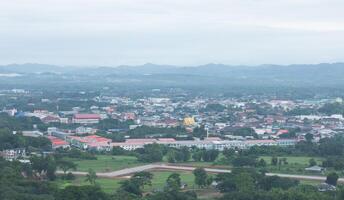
x: 148, y: 167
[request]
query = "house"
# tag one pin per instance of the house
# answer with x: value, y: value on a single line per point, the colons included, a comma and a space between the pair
x: 325, y: 187
x: 286, y: 142
x: 85, y: 130
x: 250, y: 143
x: 211, y: 143
x: 316, y: 169
x: 59, y: 134
x: 32, y: 133
x: 212, y: 139
x: 58, y: 143
x: 50, y: 119
x: 86, y: 118
x: 92, y: 142
x: 13, y: 154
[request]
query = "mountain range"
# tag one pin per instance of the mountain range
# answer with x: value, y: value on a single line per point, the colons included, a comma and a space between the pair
x: 297, y: 75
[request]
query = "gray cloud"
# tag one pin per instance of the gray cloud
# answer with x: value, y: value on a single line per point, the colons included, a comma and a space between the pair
x: 114, y: 32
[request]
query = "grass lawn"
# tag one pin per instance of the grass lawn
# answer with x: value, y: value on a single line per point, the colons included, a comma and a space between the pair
x: 218, y: 163
x: 295, y: 164
x: 105, y: 163
x: 301, y: 160
x: 160, y: 178
x: 110, y: 185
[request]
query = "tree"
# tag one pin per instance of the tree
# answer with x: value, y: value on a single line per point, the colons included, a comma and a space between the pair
x: 121, y: 194
x: 171, y: 156
x: 261, y: 163
x: 66, y: 165
x: 336, y: 162
x: 244, y: 182
x: 151, y: 153
x: 91, y: 177
x: 107, y: 124
x: 44, y: 167
x: 309, y: 137
x: 137, y: 182
x: 117, y: 151
x: 242, y: 160
x: 143, y: 178
x: 199, y: 132
x: 225, y: 182
x: 186, y: 153
x: 131, y: 186
x: 284, y: 161
x: 279, y: 164
x: 332, y: 178
x: 312, y: 162
x: 200, y: 177
x: 214, y: 107
x: 274, y: 161
x: 269, y: 182
x: 197, y: 156
x: 228, y: 153
x: 176, y: 155
x: 332, y: 108
x: 210, y: 155
x: 245, y: 132
x: 173, y: 183
x: 332, y: 146
x: 86, y: 192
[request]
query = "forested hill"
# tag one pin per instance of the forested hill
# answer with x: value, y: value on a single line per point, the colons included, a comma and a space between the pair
x: 320, y: 75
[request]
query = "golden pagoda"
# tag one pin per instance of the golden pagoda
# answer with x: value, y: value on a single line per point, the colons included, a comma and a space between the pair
x: 189, y: 121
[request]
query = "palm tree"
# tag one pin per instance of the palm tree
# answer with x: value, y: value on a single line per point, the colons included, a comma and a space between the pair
x: 91, y: 177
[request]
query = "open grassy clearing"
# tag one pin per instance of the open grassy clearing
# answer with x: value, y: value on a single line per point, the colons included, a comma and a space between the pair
x: 218, y: 163
x: 296, y: 165
x: 110, y: 185
x: 106, y: 163
x: 301, y: 160
x: 160, y: 178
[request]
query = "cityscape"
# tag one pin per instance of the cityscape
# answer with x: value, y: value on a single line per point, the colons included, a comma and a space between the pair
x: 171, y: 100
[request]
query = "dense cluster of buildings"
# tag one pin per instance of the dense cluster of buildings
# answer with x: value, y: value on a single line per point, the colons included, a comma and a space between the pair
x: 97, y: 143
x: 274, y: 122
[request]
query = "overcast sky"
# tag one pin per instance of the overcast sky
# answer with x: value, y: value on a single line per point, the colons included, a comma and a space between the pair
x: 178, y: 32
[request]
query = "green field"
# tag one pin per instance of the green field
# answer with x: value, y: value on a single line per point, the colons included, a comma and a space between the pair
x: 110, y: 185
x: 218, y: 163
x: 296, y: 165
x: 302, y: 160
x: 160, y: 178
x: 105, y: 163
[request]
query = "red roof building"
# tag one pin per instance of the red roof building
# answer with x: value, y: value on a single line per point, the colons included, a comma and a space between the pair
x: 58, y: 143
x: 86, y: 116
x: 90, y: 142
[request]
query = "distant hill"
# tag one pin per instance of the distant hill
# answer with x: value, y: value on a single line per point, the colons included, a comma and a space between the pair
x: 30, y: 68
x: 298, y: 75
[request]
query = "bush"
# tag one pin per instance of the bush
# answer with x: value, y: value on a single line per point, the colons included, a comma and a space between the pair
x: 68, y: 176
